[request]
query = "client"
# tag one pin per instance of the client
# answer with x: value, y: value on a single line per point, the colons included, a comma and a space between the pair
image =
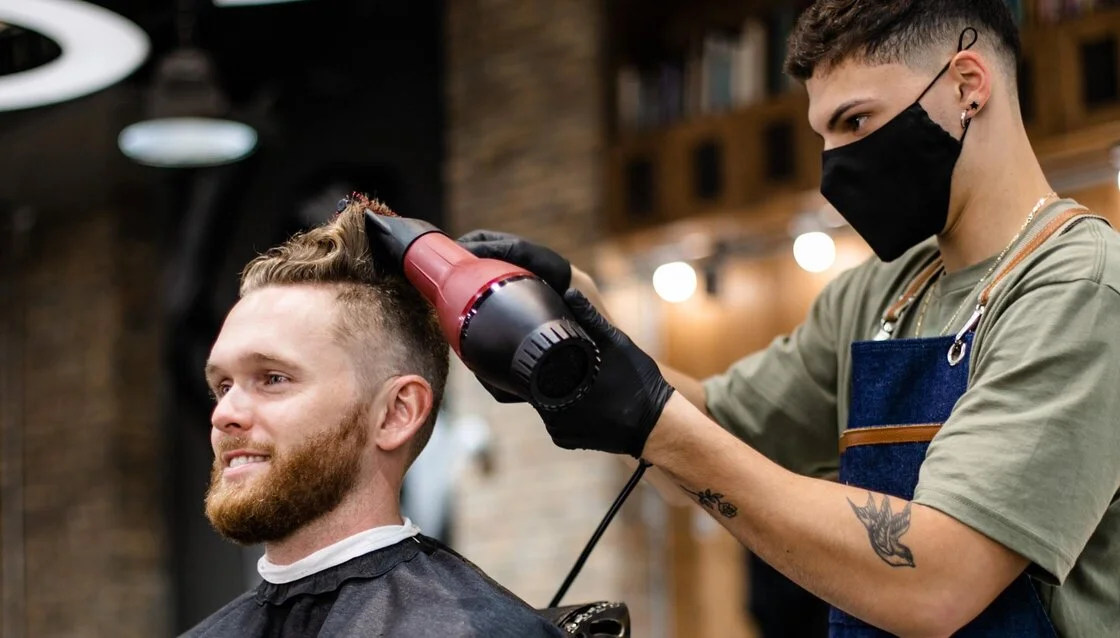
x: 327, y: 376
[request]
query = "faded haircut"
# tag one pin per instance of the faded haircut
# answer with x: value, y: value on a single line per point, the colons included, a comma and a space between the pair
x: 382, y: 320
x: 830, y: 32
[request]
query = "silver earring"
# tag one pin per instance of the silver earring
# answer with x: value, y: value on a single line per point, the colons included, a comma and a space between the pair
x: 965, y: 119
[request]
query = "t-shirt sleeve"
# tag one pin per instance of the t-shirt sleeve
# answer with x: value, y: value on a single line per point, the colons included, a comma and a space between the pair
x: 1029, y: 454
x: 782, y: 400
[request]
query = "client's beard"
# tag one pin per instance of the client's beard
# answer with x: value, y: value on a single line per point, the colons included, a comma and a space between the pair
x: 298, y: 487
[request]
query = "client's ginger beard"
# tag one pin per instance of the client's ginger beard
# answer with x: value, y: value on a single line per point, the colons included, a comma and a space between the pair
x: 299, y: 485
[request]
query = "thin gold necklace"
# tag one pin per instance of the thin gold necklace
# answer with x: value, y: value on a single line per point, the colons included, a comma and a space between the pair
x: 1030, y: 218
x: 925, y: 303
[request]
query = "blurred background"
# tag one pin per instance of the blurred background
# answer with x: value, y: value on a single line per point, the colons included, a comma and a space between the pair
x: 149, y: 148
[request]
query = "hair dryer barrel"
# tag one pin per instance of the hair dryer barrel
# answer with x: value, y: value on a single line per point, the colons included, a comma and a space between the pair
x: 507, y: 325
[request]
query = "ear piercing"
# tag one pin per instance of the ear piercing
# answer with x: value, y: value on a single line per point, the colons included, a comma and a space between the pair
x: 965, y: 117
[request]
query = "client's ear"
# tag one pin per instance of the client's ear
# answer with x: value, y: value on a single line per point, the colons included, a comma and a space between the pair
x: 407, y: 402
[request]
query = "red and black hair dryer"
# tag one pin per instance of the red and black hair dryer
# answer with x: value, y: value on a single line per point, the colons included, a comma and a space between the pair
x: 506, y: 324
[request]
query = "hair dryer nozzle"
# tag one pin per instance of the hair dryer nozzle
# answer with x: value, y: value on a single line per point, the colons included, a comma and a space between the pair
x: 394, y: 235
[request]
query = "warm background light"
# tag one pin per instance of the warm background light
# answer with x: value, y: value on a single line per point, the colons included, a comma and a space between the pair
x: 674, y: 282
x: 815, y: 251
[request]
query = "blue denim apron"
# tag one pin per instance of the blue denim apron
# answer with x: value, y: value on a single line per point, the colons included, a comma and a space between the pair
x: 902, y: 391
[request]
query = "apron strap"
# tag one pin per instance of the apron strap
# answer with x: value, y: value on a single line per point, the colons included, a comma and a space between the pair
x: 1055, y: 227
x: 913, y: 291
x: 875, y: 435
x: 916, y: 288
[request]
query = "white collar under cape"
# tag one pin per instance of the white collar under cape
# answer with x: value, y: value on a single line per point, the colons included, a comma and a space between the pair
x: 338, y: 553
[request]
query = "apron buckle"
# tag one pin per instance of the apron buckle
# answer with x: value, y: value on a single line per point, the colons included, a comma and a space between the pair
x: 886, y: 330
x: 959, y: 347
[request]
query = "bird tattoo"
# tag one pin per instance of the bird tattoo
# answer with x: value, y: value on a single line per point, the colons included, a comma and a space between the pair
x: 884, y: 528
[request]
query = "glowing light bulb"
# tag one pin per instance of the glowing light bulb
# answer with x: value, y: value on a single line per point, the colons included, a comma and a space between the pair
x: 814, y: 252
x: 674, y: 282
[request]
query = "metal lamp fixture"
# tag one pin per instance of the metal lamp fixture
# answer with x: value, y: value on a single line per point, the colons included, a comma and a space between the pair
x: 187, y: 123
x: 187, y: 127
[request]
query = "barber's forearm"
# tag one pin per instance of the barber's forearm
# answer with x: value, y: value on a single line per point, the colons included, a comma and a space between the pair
x: 896, y: 578
x: 688, y: 387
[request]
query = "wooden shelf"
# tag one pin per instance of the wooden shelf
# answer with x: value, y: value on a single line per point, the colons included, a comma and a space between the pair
x: 713, y: 163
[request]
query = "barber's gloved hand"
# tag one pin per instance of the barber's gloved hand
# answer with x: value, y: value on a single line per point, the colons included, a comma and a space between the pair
x: 624, y: 402
x: 539, y: 260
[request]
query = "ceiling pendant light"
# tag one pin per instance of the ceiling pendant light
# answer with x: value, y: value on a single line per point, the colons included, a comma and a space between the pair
x: 187, y: 123
x: 98, y: 49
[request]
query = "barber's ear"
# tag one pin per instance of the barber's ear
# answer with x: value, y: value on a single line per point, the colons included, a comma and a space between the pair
x: 972, y: 72
x: 406, y: 404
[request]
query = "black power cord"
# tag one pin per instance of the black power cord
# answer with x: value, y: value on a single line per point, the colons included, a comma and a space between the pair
x: 630, y: 485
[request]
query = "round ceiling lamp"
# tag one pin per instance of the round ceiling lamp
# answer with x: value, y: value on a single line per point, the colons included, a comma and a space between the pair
x: 187, y: 122
x: 99, y: 49
x: 186, y: 125
x: 181, y: 142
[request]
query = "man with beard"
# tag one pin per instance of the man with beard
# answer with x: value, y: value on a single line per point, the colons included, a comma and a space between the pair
x: 327, y: 376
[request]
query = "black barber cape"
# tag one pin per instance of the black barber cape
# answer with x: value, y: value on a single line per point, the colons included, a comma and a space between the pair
x: 417, y: 588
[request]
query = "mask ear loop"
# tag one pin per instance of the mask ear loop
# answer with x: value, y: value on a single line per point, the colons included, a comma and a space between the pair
x: 966, y: 117
x: 960, y: 43
x: 961, y: 46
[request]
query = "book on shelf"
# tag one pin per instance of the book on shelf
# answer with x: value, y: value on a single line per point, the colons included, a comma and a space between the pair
x: 723, y: 71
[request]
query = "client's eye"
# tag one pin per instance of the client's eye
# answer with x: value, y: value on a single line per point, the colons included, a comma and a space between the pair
x: 273, y: 379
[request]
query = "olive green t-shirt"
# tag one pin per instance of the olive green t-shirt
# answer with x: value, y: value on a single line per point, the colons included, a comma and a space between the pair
x: 1030, y: 455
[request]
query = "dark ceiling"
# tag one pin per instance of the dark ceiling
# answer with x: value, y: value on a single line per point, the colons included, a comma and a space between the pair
x: 343, y: 81
x: 314, y: 46
x: 307, y: 51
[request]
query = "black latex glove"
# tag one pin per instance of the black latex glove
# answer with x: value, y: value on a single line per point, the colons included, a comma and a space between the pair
x: 624, y: 402
x: 543, y: 262
x: 539, y: 260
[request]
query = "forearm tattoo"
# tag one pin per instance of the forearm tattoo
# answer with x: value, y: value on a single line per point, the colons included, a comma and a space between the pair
x: 714, y: 501
x: 884, y: 528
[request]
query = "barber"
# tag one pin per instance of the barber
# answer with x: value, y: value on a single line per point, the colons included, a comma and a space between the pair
x: 965, y: 381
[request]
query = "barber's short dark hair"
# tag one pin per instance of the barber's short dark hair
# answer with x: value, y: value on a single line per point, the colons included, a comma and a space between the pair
x: 897, y: 31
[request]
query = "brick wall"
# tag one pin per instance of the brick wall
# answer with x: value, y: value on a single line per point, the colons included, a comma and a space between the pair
x: 82, y: 303
x: 524, y: 151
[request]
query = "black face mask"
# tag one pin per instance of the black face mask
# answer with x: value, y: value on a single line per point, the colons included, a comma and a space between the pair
x: 893, y: 186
